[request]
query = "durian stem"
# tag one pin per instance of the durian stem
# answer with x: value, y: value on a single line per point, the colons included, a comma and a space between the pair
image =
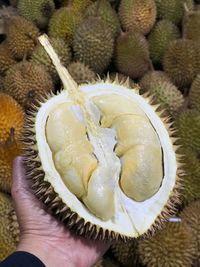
x: 66, y: 78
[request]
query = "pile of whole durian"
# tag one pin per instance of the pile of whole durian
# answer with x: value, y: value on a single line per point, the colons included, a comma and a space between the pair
x: 156, y: 43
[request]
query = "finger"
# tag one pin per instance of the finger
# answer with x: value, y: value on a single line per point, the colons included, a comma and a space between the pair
x: 19, y: 181
x: 20, y: 184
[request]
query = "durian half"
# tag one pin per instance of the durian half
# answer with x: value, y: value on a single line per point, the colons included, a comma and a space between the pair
x: 101, y: 157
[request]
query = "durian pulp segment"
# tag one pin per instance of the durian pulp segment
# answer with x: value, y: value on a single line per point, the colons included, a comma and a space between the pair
x: 89, y: 171
x: 108, y: 164
x: 131, y: 218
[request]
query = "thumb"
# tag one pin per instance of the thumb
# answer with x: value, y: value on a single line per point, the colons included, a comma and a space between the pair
x: 21, y: 191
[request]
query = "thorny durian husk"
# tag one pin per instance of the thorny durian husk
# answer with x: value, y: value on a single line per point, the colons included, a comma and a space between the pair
x: 50, y: 188
x: 9, y: 227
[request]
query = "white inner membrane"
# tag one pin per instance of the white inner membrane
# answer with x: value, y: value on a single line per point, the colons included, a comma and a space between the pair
x: 117, y: 171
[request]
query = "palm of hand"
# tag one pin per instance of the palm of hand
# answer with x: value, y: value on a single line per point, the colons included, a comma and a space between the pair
x: 39, y: 230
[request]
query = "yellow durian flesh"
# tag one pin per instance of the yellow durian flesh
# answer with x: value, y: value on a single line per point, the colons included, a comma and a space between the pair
x: 72, y: 152
x: 85, y: 173
x: 100, y: 149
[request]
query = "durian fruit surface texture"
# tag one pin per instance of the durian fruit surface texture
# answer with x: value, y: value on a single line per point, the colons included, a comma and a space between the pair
x: 121, y: 155
x: 136, y: 15
x: 21, y: 37
x: 194, y: 94
x: 78, y: 5
x: 132, y: 54
x: 93, y: 44
x: 191, y: 216
x: 41, y: 57
x: 8, y: 152
x: 6, y: 59
x: 37, y: 11
x: 9, y: 228
x: 126, y: 253
x: 81, y: 73
x: 173, y: 246
x: 191, y: 25
x: 173, y: 10
x: 182, y: 61
x: 188, y: 129
x: 26, y: 81
x: 151, y: 78
x: 191, y: 179
x: 63, y: 23
x: 168, y: 96
x: 159, y: 38
x: 11, y: 119
x: 106, y: 13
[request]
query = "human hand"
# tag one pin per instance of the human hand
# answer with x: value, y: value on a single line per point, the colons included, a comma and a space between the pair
x: 43, y: 235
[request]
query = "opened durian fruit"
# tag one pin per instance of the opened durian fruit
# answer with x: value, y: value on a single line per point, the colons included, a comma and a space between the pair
x: 101, y: 157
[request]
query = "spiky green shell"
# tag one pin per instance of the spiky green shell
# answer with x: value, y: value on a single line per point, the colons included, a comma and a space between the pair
x: 41, y: 57
x: 188, y: 129
x: 64, y: 23
x: 126, y: 253
x: 121, y: 78
x: 89, y: 44
x: 106, y: 13
x: 191, y: 180
x: 151, y: 78
x: 77, y: 5
x: 191, y: 216
x: 159, y: 38
x: 25, y: 81
x: 182, y: 61
x: 172, y: 10
x: 37, y: 11
x: 6, y: 59
x: 21, y: 37
x: 5, y: 175
x: 173, y: 246
x: 8, y: 152
x: 194, y: 94
x: 9, y: 228
x: 81, y: 73
x: 168, y: 96
x: 136, y: 15
x: 132, y: 54
x: 191, y: 25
